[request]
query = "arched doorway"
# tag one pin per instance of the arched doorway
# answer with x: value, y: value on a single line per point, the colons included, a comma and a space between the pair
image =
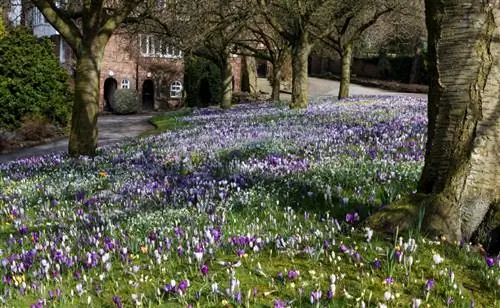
x: 261, y: 68
x: 110, y: 86
x: 148, y: 94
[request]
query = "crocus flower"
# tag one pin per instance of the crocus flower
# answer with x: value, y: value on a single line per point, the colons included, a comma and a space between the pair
x: 437, y: 259
x: 118, y: 301
x: 315, y: 296
x: 490, y: 262
x: 279, y: 304
x: 204, y: 269
x: 292, y: 274
x: 389, y: 280
x: 429, y: 284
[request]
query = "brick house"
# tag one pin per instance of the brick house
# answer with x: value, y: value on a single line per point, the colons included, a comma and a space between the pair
x: 141, y: 62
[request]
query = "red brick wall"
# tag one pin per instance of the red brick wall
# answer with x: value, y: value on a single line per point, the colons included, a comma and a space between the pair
x: 236, y: 63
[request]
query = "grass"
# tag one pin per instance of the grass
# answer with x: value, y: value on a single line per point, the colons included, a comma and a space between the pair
x: 213, y: 212
x: 172, y: 120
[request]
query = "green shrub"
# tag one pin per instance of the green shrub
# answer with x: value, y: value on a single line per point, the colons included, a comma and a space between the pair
x: 32, y: 82
x: 126, y: 101
x: 202, y: 82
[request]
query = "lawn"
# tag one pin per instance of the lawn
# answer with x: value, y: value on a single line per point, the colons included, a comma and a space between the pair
x: 257, y: 206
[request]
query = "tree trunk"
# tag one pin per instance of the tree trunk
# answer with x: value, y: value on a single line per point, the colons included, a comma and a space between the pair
x: 83, y: 135
x: 345, y: 78
x: 227, y: 83
x: 300, y: 55
x: 415, y: 66
x: 276, y: 83
x: 462, y: 163
x: 249, y: 78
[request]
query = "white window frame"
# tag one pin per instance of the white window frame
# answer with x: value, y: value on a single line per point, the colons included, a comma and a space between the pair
x: 38, y: 18
x: 176, y: 89
x: 125, y: 84
x: 152, y: 46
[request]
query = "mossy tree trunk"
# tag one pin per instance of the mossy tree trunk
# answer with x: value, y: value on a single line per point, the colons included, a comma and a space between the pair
x: 83, y: 134
x: 276, y: 82
x: 460, y: 183
x: 249, y: 75
x: 300, y: 55
x: 462, y: 163
x: 86, y: 27
x: 227, y: 83
x: 345, y: 77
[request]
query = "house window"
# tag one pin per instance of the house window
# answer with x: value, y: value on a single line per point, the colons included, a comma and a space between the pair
x: 38, y: 17
x: 153, y: 46
x: 125, y: 84
x: 176, y: 89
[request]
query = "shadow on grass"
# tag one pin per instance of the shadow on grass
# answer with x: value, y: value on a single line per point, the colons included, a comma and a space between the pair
x: 169, y: 121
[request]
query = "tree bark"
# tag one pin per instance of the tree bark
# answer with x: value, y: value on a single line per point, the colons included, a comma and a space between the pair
x: 83, y: 135
x: 249, y: 78
x: 462, y: 163
x: 415, y: 66
x: 227, y: 83
x: 276, y: 83
x: 300, y: 55
x: 345, y: 78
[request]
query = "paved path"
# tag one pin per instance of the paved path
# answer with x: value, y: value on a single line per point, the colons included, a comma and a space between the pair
x: 113, y: 128
x: 324, y: 87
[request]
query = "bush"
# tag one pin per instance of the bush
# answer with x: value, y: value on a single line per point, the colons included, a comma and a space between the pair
x: 126, y: 102
x: 32, y: 82
x: 36, y: 127
x: 202, y: 82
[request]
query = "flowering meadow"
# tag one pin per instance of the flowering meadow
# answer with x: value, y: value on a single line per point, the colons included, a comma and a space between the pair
x: 257, y: 206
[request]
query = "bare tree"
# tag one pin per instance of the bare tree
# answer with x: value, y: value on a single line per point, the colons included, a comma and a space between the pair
x: 263, y: 42
x: 207, y: 29
x: 301, y: 23
x: 350, y: 24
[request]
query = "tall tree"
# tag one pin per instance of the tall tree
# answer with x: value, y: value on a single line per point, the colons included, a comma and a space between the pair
x: 462, y: 162
x: 460, y: 183
x: 263, y: 42
x: 301, y: 23
x: 350, y: 23
x: 86, y: 26
x: 207, y: 29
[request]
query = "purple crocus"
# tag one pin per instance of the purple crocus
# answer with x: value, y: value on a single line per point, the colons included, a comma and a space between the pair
x: 278, y: 303
x: 315, y: 296
x: 292, y: 274
x: 118, y: 301
x: 183, y: 285
x: 204, y: 269
x: 490, y: 262
x: 351, y: 217
x: 429, y: 284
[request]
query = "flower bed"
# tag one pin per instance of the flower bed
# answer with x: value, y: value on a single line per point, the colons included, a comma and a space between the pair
x: 257, y: 205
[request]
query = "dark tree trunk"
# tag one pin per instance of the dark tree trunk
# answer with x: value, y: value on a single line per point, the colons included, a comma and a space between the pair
x: 345, y: 78
x: 276, y: 83
x: 300, y: 55
x: 227, y: 83
x: 83, y: 135
x: 249, y: 75
x: 415, y: 66
x: 462, y: 163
